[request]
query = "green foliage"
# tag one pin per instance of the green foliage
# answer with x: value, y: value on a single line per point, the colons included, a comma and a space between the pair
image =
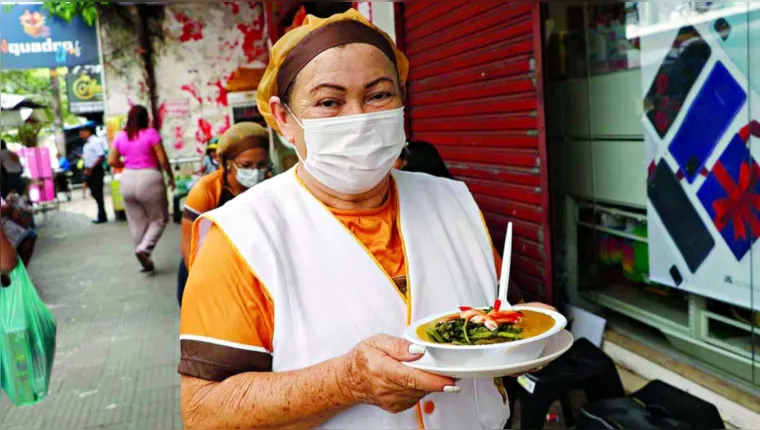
x: 35, y: 83
x: 67, y: 10
x: 29, y: 133
x: 25, y: 82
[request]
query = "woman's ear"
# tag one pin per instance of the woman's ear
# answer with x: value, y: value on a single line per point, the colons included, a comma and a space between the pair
x: 282, y: 116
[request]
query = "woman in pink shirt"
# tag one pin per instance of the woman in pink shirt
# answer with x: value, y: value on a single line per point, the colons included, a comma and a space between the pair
x: 139, y: 151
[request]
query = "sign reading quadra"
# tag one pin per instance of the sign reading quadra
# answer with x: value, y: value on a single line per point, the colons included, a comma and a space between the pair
x: 85, y: 90
x: 31, y: 39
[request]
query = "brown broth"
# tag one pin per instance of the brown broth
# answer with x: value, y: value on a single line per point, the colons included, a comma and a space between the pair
x: 533, y: 324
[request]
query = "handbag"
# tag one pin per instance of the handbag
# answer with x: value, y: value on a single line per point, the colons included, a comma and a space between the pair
x: 27, y: 340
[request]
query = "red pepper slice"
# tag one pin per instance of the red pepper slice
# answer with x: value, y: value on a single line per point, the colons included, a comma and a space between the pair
x: 497, y: 305
x: 506, y: 317
x: 506, y: 314
x: 465, y: 308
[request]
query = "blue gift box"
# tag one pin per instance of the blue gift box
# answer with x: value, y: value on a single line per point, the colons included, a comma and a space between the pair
x: 731, y: 196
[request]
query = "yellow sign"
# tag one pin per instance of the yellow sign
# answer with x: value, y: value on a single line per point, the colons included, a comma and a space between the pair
x: 86, y: 88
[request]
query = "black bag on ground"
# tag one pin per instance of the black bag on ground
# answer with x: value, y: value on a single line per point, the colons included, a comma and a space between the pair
x: 626, y: 413
x: 656, y: 406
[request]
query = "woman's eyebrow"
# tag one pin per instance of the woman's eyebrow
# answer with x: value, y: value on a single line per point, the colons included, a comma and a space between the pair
x: 378, y: 81
x: 328, y: 86
x: 343, y: 89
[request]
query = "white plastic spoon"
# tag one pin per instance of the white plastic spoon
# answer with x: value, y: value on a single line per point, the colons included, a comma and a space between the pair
x: 506, y: 259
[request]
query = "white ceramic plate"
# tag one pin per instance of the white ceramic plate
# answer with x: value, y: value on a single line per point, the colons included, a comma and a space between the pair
x: 555, y: 346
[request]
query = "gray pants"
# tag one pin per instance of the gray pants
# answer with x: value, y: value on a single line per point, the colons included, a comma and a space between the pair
x: 146, y: 206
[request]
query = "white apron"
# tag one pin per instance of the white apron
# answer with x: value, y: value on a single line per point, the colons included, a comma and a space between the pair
x: 330, y: 293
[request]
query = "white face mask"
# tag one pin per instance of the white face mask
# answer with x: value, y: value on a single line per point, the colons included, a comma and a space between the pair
x: 249, y: 178
x: 352, y: 154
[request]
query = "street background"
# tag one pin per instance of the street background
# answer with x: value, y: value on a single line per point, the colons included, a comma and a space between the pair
x: 117, y: 348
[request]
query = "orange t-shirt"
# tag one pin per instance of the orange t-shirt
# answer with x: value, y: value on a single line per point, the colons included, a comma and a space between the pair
x: 204, y: 196
x: 227, y: 322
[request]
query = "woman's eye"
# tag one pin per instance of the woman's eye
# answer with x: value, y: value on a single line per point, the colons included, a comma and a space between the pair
x: 329, y: 103
x: 381, y: 96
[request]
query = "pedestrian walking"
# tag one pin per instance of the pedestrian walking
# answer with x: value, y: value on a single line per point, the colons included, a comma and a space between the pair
x: 140, y: 152
x: 93, y: 155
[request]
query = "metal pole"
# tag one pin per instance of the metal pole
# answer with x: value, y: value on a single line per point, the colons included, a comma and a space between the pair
x: 102, y: 70
x: 55, y: 90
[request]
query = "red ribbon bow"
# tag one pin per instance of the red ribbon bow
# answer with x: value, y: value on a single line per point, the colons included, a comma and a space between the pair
x: 742, y: 200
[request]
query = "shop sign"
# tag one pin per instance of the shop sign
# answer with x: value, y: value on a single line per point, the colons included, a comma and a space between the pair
x: 85, y: 90
x: 177, y: 109
x: 33, y: 39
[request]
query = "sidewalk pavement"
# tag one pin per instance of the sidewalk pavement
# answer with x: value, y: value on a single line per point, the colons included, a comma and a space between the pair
x: 117, y: 353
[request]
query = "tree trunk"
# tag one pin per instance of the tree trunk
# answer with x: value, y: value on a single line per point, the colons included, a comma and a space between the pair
x: 55, y: 90
x: 146, y: 51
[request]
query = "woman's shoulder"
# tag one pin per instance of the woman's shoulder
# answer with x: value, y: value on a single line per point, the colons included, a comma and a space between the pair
x: 210, y: 184
x: 151, y: 134
x: 205, y: 194
x: 120, y: 136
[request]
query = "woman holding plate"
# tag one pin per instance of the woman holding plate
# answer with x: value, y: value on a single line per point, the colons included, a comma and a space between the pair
x: 300, y: 287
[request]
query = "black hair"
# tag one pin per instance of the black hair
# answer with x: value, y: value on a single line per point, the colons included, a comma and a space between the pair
x: 137, y: 120
x: 3, y: 145
x: 423, y: 157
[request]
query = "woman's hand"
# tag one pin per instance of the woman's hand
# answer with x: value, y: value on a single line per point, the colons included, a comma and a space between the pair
x: 172, y: 184
x: 377, y: 377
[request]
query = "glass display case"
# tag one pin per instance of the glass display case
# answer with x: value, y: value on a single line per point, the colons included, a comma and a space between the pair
x: 654, y: 135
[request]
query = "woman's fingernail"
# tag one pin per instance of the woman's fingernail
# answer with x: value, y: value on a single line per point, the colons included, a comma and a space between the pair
x: 451, y: 389
x: 416, y: 349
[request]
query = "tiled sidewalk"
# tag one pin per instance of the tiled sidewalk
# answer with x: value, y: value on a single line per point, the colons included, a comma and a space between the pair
x: 115, y: 364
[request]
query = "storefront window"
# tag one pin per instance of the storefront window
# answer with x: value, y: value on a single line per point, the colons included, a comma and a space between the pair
x: 592, y: 38
x: 610, y: 49
x: 653, y: 132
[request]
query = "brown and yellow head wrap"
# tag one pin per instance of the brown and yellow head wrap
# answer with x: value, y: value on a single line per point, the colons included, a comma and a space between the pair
x: 298, y: 47
x: 242, y: 137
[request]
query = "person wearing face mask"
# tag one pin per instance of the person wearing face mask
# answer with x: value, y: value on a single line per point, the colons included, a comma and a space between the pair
x: 243, y: 152
x: 316, y: 273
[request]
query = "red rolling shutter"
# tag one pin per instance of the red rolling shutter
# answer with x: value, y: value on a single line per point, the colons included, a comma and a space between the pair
x: 475, y: 92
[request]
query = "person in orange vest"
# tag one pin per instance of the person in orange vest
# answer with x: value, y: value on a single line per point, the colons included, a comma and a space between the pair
x: 301, y: 287
x: 244, y: 154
